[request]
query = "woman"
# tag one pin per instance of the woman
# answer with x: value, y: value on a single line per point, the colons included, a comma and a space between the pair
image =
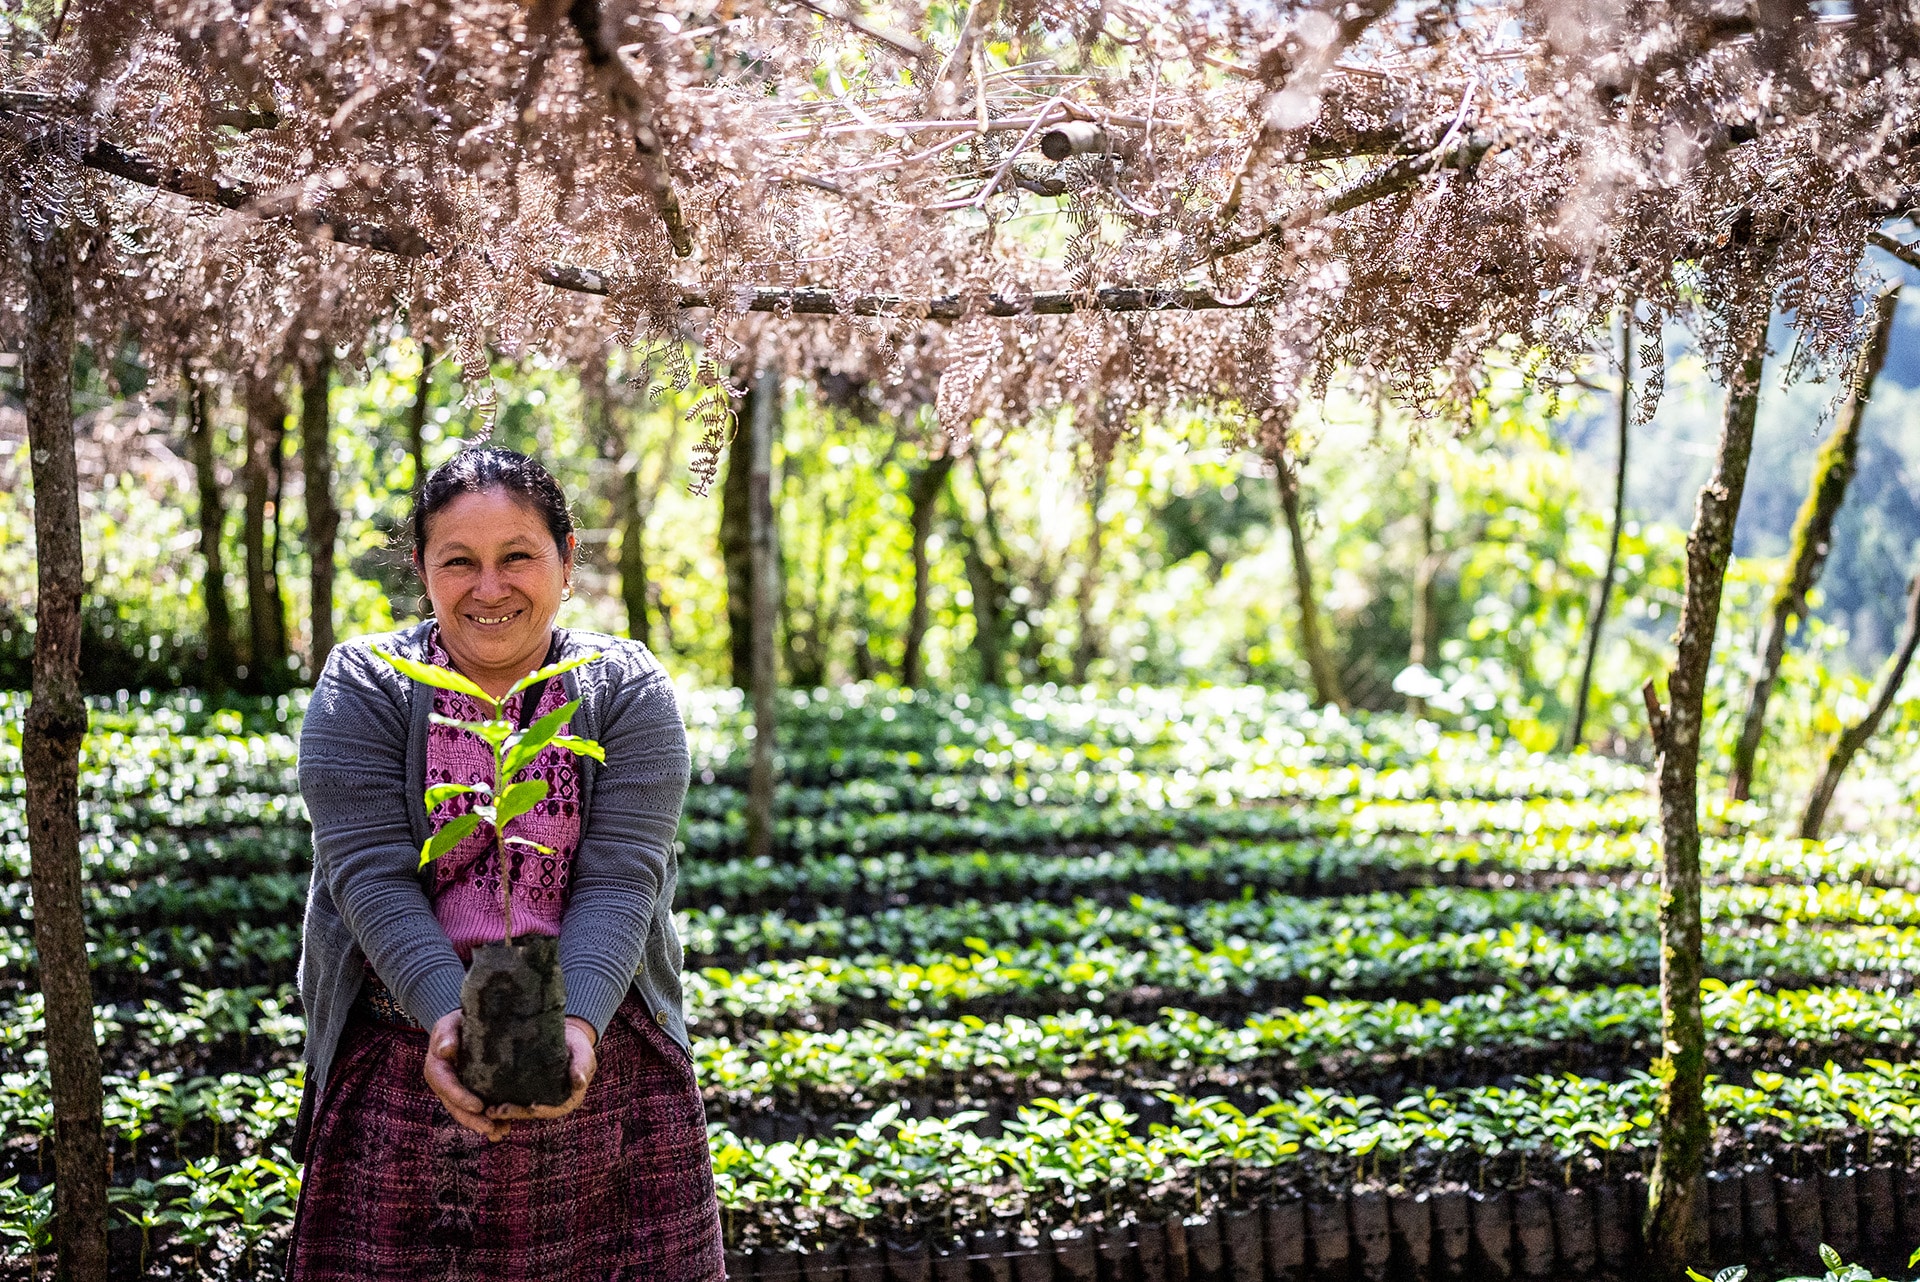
x: 408, y: 1175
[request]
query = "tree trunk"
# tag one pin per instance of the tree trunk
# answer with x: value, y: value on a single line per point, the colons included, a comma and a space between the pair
x: 736, y: 542
x: 417, y: 417
x: 323, y: 518
x: 1682, y: 1067
x: 56, y: 722
x: 1603, y: 594
x: 1087, y: 647
x: 923, y: 494
x: 623, y: 492
x: 762, y: 422
x: 988, y: 582
x: 221, y: 659
x: 1326, y: 678
x: 1855, y: 736
x: 266, y: 623
x: 1812, y: 539
x: 1425, y: 571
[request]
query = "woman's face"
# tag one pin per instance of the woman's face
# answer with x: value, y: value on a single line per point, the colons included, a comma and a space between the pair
x: 495, y: 578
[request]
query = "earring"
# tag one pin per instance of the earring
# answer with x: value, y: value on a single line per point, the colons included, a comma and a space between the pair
x: 566, y: 593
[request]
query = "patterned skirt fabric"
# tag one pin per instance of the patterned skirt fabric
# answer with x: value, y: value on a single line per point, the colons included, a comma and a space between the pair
x: 621, y: 1188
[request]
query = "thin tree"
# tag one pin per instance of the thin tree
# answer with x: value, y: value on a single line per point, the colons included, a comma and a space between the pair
x: 1681, y: 1068
x: 417, y: 416
x: 1426, y: 571
x: 1812, y: 539
x: 323, y: 517
x: 1603, y: 591
x: 1087, y: 647
x: 222, y: 658
x: 736, y: 543
x: 1855, y: 736
x: 762, y: 426
x: 924, y: 488
x: 56, y: 723
x: 266, y: 618
x: 623, y: 492
x: 1320, y: 666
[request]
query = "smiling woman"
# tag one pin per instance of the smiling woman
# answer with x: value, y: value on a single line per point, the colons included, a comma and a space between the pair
x: 493, y: 542
x: 409, y: 1175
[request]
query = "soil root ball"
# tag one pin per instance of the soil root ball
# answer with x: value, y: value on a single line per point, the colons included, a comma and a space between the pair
x: 513, y: 1037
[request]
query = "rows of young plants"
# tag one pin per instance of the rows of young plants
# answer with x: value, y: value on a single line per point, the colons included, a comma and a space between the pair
x: 1029, y: 961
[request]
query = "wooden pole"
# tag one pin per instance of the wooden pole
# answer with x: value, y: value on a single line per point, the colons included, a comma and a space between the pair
x: 761, y: 427
x: 56, y: 723
x: 1676, y: 1188
x: 323, y: 518
x: 1812, y: 539
x: 1855, y: 736
x: 1603, y: 594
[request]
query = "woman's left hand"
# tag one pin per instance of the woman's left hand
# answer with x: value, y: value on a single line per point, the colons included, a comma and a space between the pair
x: 581, y: 1040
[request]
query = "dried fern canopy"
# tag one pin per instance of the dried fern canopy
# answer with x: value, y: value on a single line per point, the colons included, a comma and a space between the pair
x: 1116, y: 206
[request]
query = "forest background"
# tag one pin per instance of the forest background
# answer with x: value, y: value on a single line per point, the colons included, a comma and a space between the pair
x: 1487, y: 537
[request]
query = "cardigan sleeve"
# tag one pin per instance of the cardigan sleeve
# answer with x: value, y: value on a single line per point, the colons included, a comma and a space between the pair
x: 353, y: 778
x: 621, y: 865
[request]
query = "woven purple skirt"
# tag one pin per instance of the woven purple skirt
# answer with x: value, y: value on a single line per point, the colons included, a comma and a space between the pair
x: 621, y: 1188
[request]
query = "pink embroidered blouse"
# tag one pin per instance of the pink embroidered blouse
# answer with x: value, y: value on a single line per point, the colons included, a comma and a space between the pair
x: 465, y: 889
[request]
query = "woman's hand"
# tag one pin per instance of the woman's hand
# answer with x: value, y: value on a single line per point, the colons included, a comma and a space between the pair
x: 443, y: 1045
x: 581, y: 1039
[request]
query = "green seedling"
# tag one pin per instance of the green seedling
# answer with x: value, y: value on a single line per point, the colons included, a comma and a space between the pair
x: 504, y: 798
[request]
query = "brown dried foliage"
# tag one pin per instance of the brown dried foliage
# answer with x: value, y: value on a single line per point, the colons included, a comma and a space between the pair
x: 1424, y: 190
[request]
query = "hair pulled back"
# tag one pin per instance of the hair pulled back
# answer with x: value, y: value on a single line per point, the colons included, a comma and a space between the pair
x: 475, y: 471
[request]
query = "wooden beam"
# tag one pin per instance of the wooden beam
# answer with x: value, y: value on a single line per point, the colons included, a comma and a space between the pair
x: 407, y: 242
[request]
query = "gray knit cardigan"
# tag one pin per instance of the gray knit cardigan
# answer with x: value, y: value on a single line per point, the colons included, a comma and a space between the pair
x: 363, y: 752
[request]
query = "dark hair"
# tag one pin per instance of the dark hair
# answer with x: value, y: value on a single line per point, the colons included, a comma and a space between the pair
x: 475, y: 471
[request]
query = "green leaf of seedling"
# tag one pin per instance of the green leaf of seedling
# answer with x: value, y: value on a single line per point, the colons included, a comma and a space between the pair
x: 441, y: 793
x: 494, y: 732
x: 439, y: 678
x: 1830, y: 1257
x: 580, y: 747
x: 552, y: 670
x: 530, y: 845
x: 1732, y: 1273
x: 519, y: 798
x: 447, y: 838
x: 538, y: 735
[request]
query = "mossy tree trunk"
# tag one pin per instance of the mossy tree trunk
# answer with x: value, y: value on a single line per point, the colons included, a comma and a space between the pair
x: 323, y: 517
x: 762, y: 425
x: 1603, y: 592
x: 1811, y: 541
x: 56, y: 723
x: 1855, y: 736
x: 1680, y: 1110
x: 924, y: 489
x: 736, y: 553
x: 266, y: 617
x: 222, y: 658
x: 1326, y: 676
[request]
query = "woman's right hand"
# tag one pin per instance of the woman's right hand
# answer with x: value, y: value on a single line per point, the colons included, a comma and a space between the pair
x: 443, y: 1048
